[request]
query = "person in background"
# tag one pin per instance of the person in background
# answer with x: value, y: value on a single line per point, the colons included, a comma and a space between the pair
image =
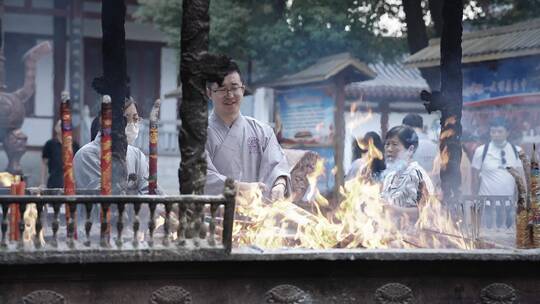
x: 489, y: 173
x: 406, y: 185
x: 51, y: 159
x: 369, y: 163
x: 427, y: 149
x: 87, y: 161
x: 240, y: 147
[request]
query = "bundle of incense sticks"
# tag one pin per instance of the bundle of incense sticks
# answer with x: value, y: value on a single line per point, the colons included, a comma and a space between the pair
x: 534, y: 216
x: 153, y: 155
x: 106, y: 159
x: 18, y: 186
x: 106, y: 146
x: 522, y: 213
x: 67, y: 145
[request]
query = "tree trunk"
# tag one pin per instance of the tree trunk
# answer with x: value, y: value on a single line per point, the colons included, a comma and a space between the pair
x: 451, y: 93
x: 194, y: 107
x: 113, y: 16
x: 2, y: 58
x: 417, y: 37
x: 435, y: 9
x: 59, y: 55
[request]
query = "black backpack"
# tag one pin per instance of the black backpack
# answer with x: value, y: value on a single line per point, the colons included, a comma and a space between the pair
x: 486, y: 147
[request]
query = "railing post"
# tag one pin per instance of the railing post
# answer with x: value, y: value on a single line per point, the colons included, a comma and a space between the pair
x: 228, y: 218
x: 5, y: 208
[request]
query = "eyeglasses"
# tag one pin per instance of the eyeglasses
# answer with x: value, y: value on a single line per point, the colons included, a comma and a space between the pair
x: 503, y: 159
x: 237, y: 91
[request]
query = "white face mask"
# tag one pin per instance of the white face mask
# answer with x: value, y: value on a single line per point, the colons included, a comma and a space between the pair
x: 132, y: 131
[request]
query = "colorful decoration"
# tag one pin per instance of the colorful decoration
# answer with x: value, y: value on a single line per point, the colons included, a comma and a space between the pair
x: 534, y: 218
x: 106, y: 146
x: 154, y: 135
x: 67, y: 145
x: 18, y: 187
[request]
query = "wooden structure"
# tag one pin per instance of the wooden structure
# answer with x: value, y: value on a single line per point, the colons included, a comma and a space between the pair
x: 395, y: 89
x: 324, y: 80
x: 499, y: 73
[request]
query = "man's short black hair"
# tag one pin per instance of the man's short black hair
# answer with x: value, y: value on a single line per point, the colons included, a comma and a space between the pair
x: 499, y: 121
x: 231, y: 67
x: 413, y: 120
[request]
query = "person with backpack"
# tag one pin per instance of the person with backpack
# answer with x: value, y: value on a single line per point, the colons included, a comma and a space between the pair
x: 490, y: 162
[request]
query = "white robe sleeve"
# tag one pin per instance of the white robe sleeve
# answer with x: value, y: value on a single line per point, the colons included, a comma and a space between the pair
x: 142, y: 172
x: 86, y: 169
x: 274, y: 163
x: 215, y: 182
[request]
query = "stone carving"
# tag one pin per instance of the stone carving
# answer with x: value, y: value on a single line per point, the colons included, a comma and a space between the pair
x: 12, y: 109
x: 287, y: 294
x: 498, y: 293
x: 171, y: 295
x: 393, y: 293
x: 43, y: 297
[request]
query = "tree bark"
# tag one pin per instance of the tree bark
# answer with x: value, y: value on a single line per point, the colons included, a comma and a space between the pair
x: 451, y: 93
x: 417, y: 37
x: 435, y: 9
x: 194, y: 108
x: 113, y: 16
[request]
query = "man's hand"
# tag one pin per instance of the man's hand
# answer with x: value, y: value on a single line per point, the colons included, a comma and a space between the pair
x: 278, y: 192
x: 278, y: 189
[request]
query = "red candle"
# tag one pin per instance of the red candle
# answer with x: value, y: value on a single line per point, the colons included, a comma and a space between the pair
x: 67, y: 153
x: 106, y: 146
x: 67, y: 145
x: 106, y: 153
x: 153, y: 153
x: 15, y: 215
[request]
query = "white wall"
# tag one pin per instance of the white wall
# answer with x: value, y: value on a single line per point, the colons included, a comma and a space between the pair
x: 44, y: 105
x: 263, y: 107
x: 169, y: 71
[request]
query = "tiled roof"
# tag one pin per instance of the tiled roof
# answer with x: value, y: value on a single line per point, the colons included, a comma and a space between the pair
x: 520, y: 39
x: 324, y: 69
x: 392, y: 81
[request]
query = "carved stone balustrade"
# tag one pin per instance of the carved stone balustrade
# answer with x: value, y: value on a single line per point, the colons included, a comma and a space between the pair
x: 93, y: 223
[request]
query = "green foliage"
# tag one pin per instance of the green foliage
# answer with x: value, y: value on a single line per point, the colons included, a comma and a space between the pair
x: 281, y: 39
x: 504, y: 12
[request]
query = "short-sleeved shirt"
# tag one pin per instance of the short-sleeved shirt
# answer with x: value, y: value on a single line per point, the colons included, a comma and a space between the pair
x: 407, y: 186
x: 494, y: 178
x: 52, y: 151
x: 426, y: 152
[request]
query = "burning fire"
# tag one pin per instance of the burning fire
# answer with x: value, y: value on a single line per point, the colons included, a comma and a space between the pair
x: 360, y: 220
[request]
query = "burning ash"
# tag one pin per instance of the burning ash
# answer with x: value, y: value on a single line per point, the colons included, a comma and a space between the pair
x: 360, y: 219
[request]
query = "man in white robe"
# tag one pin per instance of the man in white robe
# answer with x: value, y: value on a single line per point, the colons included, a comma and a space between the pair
x: 241, y: 147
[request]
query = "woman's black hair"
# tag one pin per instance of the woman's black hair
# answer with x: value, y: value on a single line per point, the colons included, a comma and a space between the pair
x: 406, y: 135
x: 377, y: 165
x: 94, y: 128
x: 96, y: 123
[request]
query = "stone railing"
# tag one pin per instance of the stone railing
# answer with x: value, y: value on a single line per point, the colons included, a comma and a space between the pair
x: 185, y: 222
x: 493, y: 211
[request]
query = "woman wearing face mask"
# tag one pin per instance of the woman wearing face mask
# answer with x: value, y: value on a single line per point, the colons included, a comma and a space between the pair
x: 405, y: 184
x: 86, y: 162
